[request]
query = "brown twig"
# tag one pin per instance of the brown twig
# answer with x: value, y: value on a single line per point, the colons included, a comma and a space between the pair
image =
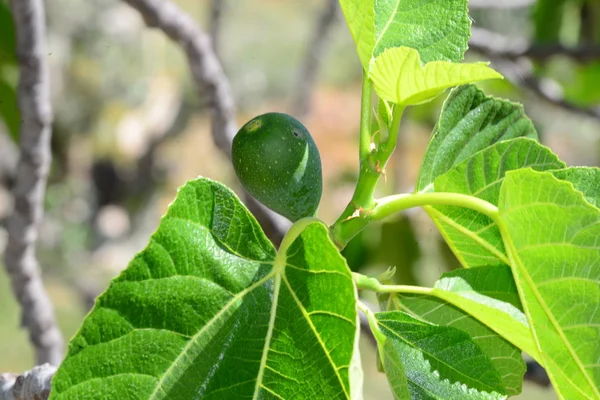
x: 211, y: 83
x: 313, y: 59
x: 30, y: 182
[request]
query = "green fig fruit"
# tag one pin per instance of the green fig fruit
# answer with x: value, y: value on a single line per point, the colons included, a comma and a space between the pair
x: 278, y: 163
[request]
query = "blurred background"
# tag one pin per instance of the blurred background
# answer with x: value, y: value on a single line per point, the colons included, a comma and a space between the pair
x: 130, y: 127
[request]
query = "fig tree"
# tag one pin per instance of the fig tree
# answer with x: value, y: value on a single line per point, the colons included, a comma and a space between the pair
x: 277, y: 162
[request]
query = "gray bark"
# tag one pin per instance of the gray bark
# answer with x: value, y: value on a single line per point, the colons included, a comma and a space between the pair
x: 30, y: 182
x: 313, y: 59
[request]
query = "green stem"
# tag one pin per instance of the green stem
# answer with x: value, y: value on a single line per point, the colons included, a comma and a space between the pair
x: 347, y: 229
x: 390, y: 144
x: 379, y: 336
x: 365, y: 117
x: 367, y: 283
x: 372, y: 164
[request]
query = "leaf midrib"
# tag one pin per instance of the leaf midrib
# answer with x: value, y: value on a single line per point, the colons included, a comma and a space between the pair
x: 217, y: 316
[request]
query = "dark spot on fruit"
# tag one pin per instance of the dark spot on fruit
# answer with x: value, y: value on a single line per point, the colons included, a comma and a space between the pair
x: 296, y: 133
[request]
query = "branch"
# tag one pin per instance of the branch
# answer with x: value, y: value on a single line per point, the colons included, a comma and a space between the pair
x: 519, y: 70
x: 32, y: 385
x: 30, y: 182
x: 313, y: 59
x: 497, y: 45
x: 211, y: 82
x: 216, y: 16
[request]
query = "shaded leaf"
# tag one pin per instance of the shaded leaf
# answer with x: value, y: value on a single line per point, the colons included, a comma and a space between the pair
x: 484, y: 303
x: 8, y: 43
x: 470, y: 122
x: 440, y: 362
x: 553, y: 240
x: 9, y: 109
x: 209, y: 311
x: 400, y: 78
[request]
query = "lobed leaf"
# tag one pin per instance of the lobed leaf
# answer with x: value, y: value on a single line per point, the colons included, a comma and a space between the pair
x: 207, y: 310
x: 553, y: 241
x: 399, y: 76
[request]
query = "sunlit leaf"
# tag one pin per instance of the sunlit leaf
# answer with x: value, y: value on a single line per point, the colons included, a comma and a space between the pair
x: 208, y: 311
x: 437, y: 29
x: 399, y: 76
x: 360, y: 17
x: 553, y: 241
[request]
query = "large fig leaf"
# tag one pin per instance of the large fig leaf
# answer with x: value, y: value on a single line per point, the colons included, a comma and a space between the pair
x: 209, y: 310
x: 552, y: 236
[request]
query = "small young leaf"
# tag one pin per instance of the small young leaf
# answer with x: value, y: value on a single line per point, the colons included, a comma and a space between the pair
x: 440, y: 362
x: 473, y: 237
x: 552, y: 236
x: 208, y: 311
x: 470, y: 122
x: 399, y: 76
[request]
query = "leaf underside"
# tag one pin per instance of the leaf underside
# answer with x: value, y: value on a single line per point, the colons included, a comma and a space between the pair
x: 554, y: 245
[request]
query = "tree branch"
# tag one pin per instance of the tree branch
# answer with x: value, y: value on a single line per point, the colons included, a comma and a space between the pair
x: 216, y: 17
x: 30, y: 182
x: 313, y: 59
x: 32, y: 385
x: 519, y: 69
x: 212, y: 83
x: 497, y: 45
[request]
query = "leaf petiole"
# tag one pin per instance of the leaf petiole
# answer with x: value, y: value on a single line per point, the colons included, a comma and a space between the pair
x: 364, y: 282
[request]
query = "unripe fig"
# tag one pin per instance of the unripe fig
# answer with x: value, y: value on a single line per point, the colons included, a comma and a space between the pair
x: 278, y: 163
